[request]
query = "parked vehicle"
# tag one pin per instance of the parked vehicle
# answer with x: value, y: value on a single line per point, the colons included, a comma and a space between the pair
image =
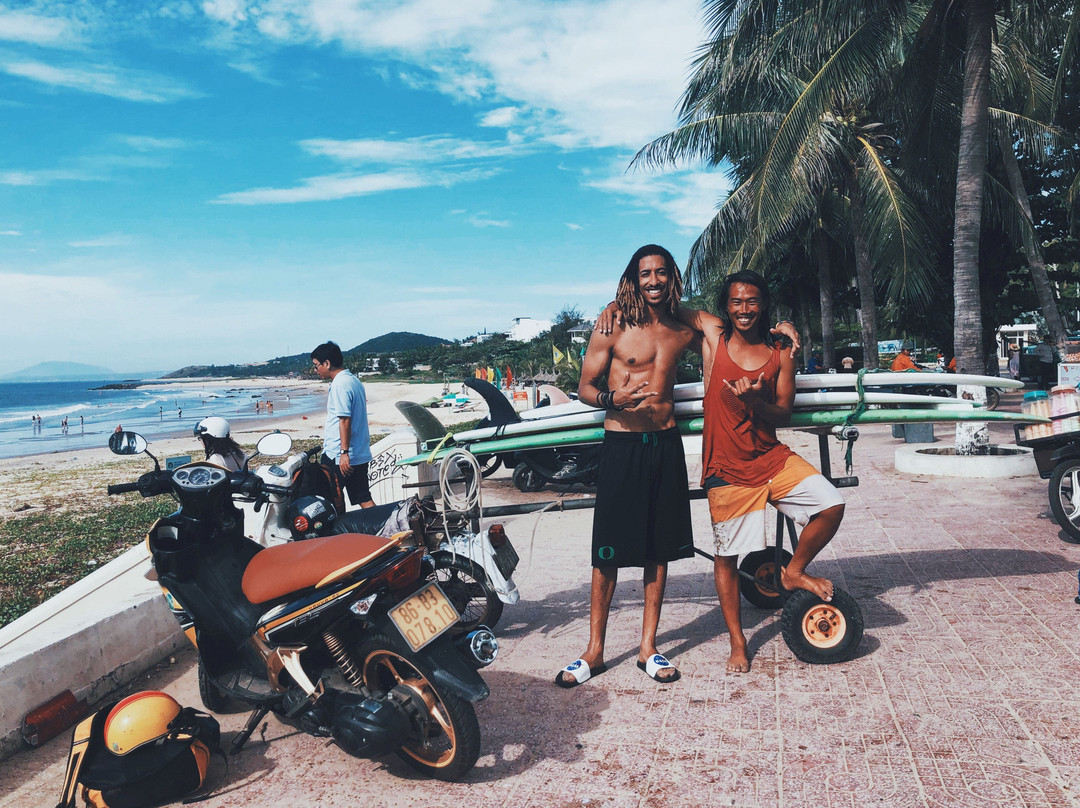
x: 535, y: 468
x: 343, y: 635
x: 473, y: 564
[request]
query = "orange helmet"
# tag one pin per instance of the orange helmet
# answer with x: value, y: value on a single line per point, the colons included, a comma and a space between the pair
x: 139, y: 719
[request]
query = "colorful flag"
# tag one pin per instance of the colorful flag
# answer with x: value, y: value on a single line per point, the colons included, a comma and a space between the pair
x: 557, y: 354
x: 570, y: 358
x: 509, y: 378
x: 490, y: 375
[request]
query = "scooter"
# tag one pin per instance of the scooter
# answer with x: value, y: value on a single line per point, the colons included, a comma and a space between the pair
x: 343, y: 635
x: 473, y: 565
x: 535, y: 468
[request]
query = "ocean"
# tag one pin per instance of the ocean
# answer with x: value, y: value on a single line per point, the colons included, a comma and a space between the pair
x: 154, y: 410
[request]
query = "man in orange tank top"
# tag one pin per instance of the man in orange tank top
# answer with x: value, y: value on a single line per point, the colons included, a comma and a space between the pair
x: 749, y: 392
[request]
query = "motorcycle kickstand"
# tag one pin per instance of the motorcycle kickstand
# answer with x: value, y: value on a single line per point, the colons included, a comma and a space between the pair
x: 257, y: 715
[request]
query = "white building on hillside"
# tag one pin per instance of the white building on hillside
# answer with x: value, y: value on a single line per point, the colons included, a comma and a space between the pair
x: 523, y: 329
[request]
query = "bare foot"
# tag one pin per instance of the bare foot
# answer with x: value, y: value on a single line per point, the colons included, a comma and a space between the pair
x: 738, y: 662
x: 822, y: 587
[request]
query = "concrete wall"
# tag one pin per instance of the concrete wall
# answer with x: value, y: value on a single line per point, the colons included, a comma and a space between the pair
x: 92, y: 638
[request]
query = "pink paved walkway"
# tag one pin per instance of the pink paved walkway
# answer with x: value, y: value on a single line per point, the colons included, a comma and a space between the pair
x: 963, y: 693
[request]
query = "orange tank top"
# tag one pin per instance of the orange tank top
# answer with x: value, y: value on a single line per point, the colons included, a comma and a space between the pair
x: 737, y: 447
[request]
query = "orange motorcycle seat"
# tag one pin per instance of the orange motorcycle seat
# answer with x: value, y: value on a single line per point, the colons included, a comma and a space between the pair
x: 297, y: 565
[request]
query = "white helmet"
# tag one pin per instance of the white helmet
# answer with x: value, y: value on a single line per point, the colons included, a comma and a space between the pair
x: 213, y: 426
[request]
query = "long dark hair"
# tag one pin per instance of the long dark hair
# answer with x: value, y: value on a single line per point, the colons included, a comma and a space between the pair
x: 752, y: 279
x: 223, y: 446
x: 629, y: 298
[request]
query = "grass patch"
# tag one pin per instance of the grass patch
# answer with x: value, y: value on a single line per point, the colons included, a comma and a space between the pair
x: 41, y: 553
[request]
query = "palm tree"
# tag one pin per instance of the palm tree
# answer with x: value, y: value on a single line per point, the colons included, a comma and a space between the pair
x: 790, y: 104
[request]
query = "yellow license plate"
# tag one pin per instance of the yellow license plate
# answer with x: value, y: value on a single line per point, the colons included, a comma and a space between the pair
x: 424, y: 616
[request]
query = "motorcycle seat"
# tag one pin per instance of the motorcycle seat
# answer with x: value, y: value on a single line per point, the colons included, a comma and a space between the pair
x: 296, y: 565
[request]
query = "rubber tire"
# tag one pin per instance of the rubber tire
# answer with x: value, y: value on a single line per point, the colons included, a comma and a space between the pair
x: 993, y: 398
x: 527, y: 480
x: 802, y: 603
x: 489, y: 464
x: 213, y: 698
x: 458, y: 713
x: 466, y: 584
x: 1063, y: 471
x: 752, y: 565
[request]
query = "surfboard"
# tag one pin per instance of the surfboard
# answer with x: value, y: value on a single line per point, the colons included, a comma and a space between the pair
x: 877, y: 378
x: 690, y: 426
x: 589, y: 416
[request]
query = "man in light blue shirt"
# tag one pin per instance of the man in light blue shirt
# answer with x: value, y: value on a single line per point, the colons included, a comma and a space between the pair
x: 346, y: 442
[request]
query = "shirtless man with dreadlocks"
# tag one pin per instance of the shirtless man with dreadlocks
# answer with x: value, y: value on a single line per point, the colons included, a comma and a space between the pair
x: 642, y: 513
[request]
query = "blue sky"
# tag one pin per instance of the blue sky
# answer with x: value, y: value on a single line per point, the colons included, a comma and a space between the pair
x: 234, y: 180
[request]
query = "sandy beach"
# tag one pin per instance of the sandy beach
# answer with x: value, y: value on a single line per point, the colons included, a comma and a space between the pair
x: 40, y: 482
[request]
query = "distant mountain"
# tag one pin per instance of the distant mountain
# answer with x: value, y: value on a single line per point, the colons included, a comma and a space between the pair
x: 397, y: 341
x: 301, y: 363
x: 63, y: 372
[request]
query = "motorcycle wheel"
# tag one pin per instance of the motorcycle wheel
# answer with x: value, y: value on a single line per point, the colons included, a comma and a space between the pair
x: 1065, y: 497
x: 446, y: 737
x: 466, y: 584
x: 993, y: 398
x: 489, y: 464
x: 213, y: 698
x: 526, y: 479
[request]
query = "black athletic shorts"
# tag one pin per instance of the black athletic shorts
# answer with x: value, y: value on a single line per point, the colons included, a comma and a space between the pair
x: 356, y: 483
x: 642, y: 500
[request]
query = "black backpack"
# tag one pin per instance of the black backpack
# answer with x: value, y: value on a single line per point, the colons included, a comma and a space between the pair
x: 159, y: 772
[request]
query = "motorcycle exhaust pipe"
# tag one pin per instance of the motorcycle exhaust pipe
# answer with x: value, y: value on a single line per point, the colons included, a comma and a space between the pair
x: 479, y: 646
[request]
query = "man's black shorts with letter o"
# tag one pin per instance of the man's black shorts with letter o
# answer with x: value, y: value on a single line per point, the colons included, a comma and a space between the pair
x: 642, y: 500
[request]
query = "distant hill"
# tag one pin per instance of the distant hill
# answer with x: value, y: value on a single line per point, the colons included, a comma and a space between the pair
x: 299, y: 364
x: 397, y: 341
x: 63, y: 372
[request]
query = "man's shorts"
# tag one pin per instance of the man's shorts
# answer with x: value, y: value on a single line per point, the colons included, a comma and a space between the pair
x: 642, y: 511
x: 798, y: 490
x: 355, y: 484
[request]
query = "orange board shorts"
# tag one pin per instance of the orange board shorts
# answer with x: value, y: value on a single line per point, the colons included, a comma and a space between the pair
x: 798, y: 490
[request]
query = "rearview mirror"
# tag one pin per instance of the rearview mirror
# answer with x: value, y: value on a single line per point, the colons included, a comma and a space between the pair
x: 274, y: 444
x: 127, y: 443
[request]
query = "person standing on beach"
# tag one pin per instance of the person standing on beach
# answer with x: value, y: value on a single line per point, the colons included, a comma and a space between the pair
x: 749, y: 392
x: 346, y: 441
x: 642, y: 512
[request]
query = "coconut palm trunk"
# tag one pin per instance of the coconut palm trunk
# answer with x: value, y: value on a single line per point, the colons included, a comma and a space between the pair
x: 821, y: 256
x: 971, y: 167
x: 1039, y: 277
x: 864, y: 276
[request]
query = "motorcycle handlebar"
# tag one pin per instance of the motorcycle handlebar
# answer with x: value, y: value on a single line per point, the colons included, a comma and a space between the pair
x: 123, y: 488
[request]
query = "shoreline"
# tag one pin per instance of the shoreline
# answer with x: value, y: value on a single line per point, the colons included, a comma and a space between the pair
x: 383, y: 417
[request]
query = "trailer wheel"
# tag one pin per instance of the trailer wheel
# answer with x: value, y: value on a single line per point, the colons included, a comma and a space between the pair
x: 1065, y: 496
x: 758, y: 588
x: 822, y: 632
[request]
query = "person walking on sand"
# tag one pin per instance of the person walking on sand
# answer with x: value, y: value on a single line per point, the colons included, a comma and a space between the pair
x: 346, y: 441
x: 749, y: 392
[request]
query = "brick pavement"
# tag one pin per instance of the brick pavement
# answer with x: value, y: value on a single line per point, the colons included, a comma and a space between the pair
x: 963, y: 692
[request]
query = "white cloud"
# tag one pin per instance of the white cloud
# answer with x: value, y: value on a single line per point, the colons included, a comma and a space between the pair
x: 483, y: 220
x: 689, y: 198
x: 10, y: 233
x: 114, y: 240
x: 46, y: 176
x: 342, y: 186
x: 573, y: 226
x: 102, y: 80
x: 545, y: 58
x: 37, y: 29
x: 503, y: 117
x: 144, y: 143
x: 428, y: 149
